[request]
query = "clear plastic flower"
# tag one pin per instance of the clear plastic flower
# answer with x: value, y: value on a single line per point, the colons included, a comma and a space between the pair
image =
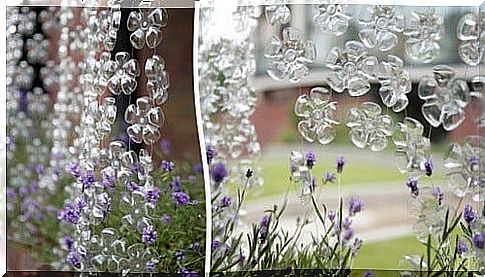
x: 464, y: 167
x: 50, y: 75
x: 38, y: 49
x: 105, y: 117
x: 381, y: 23
x: 471, y: 33
x: 300, y: 173
x: 429, y: 213
x: 116, y: 161
x: 412, y: 148
x: 24, y: 75
x: 146, y: 166
x: 109, y: 24
x: 424, y: 32
x: 446, y: 98
x: 333, y: 18
x: 38, y: 102
x: 49, y: 17
x: 145, y: 25
x: 158, y: 79
x: 352, y: 69
x: 289, y: 57
x: 137, y: 212
x: 138, y: 258
x: 106, y: 249
x: 145, y: 120
x: 124, y: 72
x: 318, y: 115
x: 369, y: 128
x: 395, y: 84
x: 277, y: 14
x: 27, y: 20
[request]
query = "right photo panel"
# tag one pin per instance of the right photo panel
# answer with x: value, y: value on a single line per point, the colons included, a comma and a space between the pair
x: 343, y: 140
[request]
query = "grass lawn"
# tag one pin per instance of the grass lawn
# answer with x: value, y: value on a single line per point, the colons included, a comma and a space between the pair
x: 386, y: 254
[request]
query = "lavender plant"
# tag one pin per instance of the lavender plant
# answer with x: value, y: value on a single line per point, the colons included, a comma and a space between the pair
x: 267, y: 245
x: 453, y: 240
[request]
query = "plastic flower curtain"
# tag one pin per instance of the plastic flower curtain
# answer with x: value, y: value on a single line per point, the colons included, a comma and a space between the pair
x: 82, y: 178
x: 87, y: 94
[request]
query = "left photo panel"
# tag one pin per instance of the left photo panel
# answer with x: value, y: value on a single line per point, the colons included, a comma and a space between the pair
x: 104, y: 168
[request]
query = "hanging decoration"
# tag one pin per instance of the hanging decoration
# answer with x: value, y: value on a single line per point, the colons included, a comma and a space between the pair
x: 318, y: 115
x: 446, y: 98
x: 352, y: 69
x: 471, y: 33
x: 395, y: 83
x: 369, y: 128
x: 333, y: 18
x: 381, y: 24
x: 424, y: 32
x: 290, y: 56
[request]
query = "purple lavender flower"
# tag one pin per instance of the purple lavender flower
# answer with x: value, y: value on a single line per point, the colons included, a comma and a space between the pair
x: 187, y: 273
x: 34, y: 186
x: 167, y: 166
x: 23, y: 101
x: 179, y: 255
x: 219, y: 173
x: 132, y: 186
x: 176, y: 184
x: 311, y: 158
x: 438, y: 195
x: 74, y: 170
x: 23, y: 191
x: 479, y: 240
x: 11, y: 195
x: 199, y: 168
x: 40, y: 170
x: 462, y: 247
x: 166, y: 146
x: 241, y: 259
x: 74, y: 259
x: 356, y: 246
x: 368, y: 274
x: 151, y: 266
x: 166, y: 218
x: 69, y: 214
x: 215, y: 244
x: 149, y: 235
x: 225, y: 202
x: 347, y: 223
x: 88, y: 179
x: 412, y: 184
x: 108, y: 181
x: 468, y: 214
x: 340, y: 164
x: 329, y: 177
x: 331, y: 215
x: 80, y: 203
x: 180, y: 198
x: 192, y: 179
x: 428, y: 166
x: 355, y: 206
x: 348, y: 234
x: 152, y: 195
x: 264, y: 225
x: 211, y: 153
x: 68, y: 242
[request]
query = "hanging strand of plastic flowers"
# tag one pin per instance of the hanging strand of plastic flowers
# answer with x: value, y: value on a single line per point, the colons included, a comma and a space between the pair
x: 28, y: 147
x: 226, y: 96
